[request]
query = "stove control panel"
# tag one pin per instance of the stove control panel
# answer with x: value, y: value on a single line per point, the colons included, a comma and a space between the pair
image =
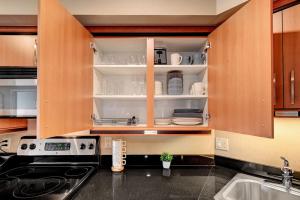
x: 57, y: 146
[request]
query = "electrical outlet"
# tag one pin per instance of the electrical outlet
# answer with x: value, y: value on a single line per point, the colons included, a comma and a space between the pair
x: 222, y: 144
x: 6, y: 148
x: 107, y: 142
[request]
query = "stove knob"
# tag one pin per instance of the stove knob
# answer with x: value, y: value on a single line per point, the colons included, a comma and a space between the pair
x: 82, y: 146
x: 91, y: 146
x: 32, y: 146
x: 24, y: 146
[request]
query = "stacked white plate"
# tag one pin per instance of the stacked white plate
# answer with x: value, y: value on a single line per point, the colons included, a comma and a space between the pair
x: 187, y: 121
x: 162, y: 121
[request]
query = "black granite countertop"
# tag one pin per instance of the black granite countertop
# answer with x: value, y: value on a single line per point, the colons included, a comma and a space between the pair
x: 143, y: 184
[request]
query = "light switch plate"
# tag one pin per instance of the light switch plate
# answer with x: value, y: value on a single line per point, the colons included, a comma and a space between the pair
x: 222, y: 144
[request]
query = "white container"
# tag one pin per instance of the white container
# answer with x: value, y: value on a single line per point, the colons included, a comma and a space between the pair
x: 176, y: 59
x: 198, y: 88
x: 166, y: 164
x: 118, y: 155
x: 158, y: 87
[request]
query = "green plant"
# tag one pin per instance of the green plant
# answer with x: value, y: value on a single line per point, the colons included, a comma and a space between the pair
x: 165, y: 156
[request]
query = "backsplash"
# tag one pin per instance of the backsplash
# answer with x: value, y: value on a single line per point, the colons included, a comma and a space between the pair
x: 155, y: 145
x: 243, y: 147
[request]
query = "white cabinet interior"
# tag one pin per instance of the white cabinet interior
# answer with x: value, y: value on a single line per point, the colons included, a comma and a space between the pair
x: 120, y: 80
x: 120, y: 74
x: 192, y: 70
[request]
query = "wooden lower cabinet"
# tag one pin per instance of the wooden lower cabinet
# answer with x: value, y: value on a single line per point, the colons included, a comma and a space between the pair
x: 17, y: 51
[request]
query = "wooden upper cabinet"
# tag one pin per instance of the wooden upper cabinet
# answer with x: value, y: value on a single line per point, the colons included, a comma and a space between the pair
x: 17, y: 51
x: 64, y: 72
x: 277, y: 61
x: 240, y: 72
x: 8, y: 125
x: 291, y: 52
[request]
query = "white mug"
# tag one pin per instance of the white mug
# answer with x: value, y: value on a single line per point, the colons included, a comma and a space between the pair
x: 176, y: 59
x: 198, y: 88
x: 158, y: 87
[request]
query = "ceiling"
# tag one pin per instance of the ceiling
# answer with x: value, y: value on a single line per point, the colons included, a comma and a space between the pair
x: 127, y: 12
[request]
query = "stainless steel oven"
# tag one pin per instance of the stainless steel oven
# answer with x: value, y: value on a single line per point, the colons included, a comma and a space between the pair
x: 18, y: 92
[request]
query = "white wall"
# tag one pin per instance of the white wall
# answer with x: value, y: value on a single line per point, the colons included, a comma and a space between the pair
x: 141, y: 7
x: 223, y: 5
x: 155, y: 145
x: 125, y: 7
x: 18, y: 7
x: 286, y: 143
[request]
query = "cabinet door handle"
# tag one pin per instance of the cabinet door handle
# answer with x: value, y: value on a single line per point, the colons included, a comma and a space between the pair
x: 35, y: 53
x: 274, y: 88
x: 293, y: 87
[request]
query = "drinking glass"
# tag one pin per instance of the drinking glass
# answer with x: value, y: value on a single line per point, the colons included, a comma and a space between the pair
x: 111, y: 59
x: 142, y: 59
x: 103, y: 87
x: 132, y: 60
x: 135, y: 85
x: 141, y: 88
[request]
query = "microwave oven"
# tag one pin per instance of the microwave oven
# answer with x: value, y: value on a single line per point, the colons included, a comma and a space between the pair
x: 18, y: 92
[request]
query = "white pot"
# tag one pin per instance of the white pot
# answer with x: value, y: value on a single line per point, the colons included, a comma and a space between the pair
x: 166, y: 165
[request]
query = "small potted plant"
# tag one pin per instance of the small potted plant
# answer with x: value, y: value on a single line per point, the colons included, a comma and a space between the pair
x: 166, y: 158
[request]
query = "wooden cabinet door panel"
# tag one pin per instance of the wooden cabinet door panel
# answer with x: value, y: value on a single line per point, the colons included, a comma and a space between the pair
x: 291, y: 52
x: 240, y: 72
x: 64, y: 72
x: 277, y: 60
x: 17, y: 50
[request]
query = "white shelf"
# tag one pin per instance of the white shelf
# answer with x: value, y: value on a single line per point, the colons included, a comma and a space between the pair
x: 18, y: 82
x: 121, y: 69
x: 167, y: 97
x: 131, y: 97
x: 186, y: 69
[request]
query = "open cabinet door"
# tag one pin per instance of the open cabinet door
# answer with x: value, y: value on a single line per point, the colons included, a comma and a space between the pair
x: 64, y: 72
x: 240, y: 72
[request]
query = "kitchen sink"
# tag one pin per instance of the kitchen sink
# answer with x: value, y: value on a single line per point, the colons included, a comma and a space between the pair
x: 245, y: 187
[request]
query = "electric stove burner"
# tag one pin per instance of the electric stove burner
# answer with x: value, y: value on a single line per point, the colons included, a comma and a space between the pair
x: 19, y: 172
x: 7, y: 183
x: 74, y: 172
x: 34, y: 188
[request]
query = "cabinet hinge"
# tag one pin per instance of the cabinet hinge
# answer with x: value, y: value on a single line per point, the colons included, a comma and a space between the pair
x: 35, y: 56
x: 207, y: 116
x: 93, y: 46
x: 208, y: 45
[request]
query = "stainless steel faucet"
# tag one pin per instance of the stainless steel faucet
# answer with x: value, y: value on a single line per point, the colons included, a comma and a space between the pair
x: 287, y: 174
